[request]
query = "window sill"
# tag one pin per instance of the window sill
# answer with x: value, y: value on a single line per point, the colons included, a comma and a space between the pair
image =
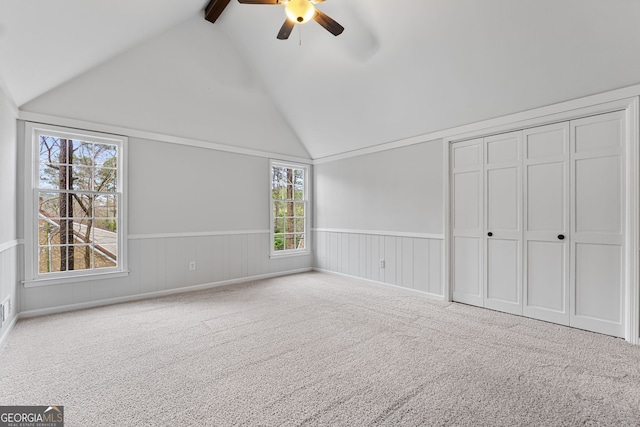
x: 74, y: 279
x: 288, y: 254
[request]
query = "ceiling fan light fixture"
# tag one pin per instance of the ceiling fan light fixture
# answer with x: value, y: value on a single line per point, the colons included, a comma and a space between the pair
x: 300, y: 11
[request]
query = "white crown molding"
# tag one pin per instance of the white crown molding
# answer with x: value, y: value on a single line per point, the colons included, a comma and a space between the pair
x: 194, y: 234
x: 154, y: 136
x: 381, y: 233
x: 516, y: 119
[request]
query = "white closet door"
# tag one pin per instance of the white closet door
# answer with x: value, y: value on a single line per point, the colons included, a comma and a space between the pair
x: 546, y: 223
x: 598, y: 205
x: 503, y: 223
x: 467, y: 202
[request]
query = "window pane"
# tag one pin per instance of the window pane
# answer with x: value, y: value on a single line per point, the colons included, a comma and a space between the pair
x: 299, y: 225
x: 82, y: 257
x: 299, y: 209
x: 83, y: 153
x: 278, y: 242
x: 289, y: 224
x: 48, y: 231
x: 278, y: 183
x: 280, y: 209
x: 289, y: 241
x: 278, y: 225
x: 49, y: 149
x: 83, y: 230
x: 105, y: 180
x: 49, y: 259
x: 106, y: 155
x: 49, y: 176
x: 81, y: 206
x: 102, y: 258
x: 299, y: 241
x: 298, y: 192
x: 52, y: 205
x: 110, y: 224
x: 66, y: 258
x: 106, y: 242
x: 105, y: 207
x: 82, y: 178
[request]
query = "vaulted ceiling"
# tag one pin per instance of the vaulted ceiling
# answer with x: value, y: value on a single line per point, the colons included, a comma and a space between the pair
x: 401, y: 68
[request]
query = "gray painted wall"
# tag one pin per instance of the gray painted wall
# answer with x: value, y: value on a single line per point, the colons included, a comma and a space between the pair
x: 218, y: 205
x: 386, y: 206
x: 395, y: 190
x: 9, y: 252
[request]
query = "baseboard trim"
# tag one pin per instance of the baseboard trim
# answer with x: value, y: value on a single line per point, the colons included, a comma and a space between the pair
x: 7, y: 331
x: 149, y: 295
x: 385, y: 285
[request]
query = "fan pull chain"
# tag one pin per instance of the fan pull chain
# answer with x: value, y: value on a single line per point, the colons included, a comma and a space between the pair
x: 299, y: 35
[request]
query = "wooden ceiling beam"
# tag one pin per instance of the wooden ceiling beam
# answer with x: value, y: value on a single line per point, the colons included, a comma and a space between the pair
x: 214, y: 9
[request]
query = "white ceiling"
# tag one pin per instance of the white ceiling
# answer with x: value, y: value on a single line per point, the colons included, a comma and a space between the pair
x: 401, y: 68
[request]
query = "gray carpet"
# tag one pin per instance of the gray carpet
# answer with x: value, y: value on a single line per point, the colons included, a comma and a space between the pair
x: 316, y: 349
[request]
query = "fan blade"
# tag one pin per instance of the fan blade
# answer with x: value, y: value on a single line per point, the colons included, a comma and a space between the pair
x: 316, y: 1
x: 285, y: 31
x: 259, y: 1
x: 328, y: 23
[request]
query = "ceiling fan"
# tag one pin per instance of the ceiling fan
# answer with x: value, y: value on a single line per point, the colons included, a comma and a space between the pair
x: 300, y: 12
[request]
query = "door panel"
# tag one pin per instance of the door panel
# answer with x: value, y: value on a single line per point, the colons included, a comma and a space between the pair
x: 502, y: 270
x: 598, y: 284
x: 546, y: 277
x: 467, y: 287
x: 598, y: 206
x: 466, y: 201
x: 503, y: 208
x: 598, y: 199
x: 503, y: 219
x: 546, y: 217
x: 467, y: 156
x: 467, y: 210
x: 546, y: 196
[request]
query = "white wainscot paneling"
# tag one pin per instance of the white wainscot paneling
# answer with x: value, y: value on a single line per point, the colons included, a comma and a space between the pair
x: 411, y: 262
x: 160, y: 265
x: 9, y: 279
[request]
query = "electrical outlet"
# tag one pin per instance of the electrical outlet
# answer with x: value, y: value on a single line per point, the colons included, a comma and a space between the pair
x: 192, y: 266
x: 381, y: 263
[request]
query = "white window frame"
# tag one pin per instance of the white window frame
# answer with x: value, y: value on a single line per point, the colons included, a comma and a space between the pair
x: 33, y: 277
x: 307, y: 210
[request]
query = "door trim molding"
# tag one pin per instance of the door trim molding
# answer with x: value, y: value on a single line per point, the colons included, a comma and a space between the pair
x: 570, y: 110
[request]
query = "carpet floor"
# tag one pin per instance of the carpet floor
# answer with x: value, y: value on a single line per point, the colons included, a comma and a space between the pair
x: 316, y: 349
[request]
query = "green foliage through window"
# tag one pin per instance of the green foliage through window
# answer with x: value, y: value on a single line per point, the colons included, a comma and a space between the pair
x: 289, y: 208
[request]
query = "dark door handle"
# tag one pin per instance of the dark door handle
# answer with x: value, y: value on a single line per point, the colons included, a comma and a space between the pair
x: 561, y: 236
x: 489, y: 234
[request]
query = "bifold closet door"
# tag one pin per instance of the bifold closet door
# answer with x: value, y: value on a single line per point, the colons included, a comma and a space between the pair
x: 598, y: 214
x: 503, y: 223
x: 546, y: 223
x: 466, y: 209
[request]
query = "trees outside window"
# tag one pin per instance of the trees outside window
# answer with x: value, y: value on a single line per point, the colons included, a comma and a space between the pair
x: 289, y: 208
x: 77, y: 203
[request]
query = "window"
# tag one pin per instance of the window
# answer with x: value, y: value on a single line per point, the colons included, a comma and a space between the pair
x: 289, y: 209
x: 75, y: 212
